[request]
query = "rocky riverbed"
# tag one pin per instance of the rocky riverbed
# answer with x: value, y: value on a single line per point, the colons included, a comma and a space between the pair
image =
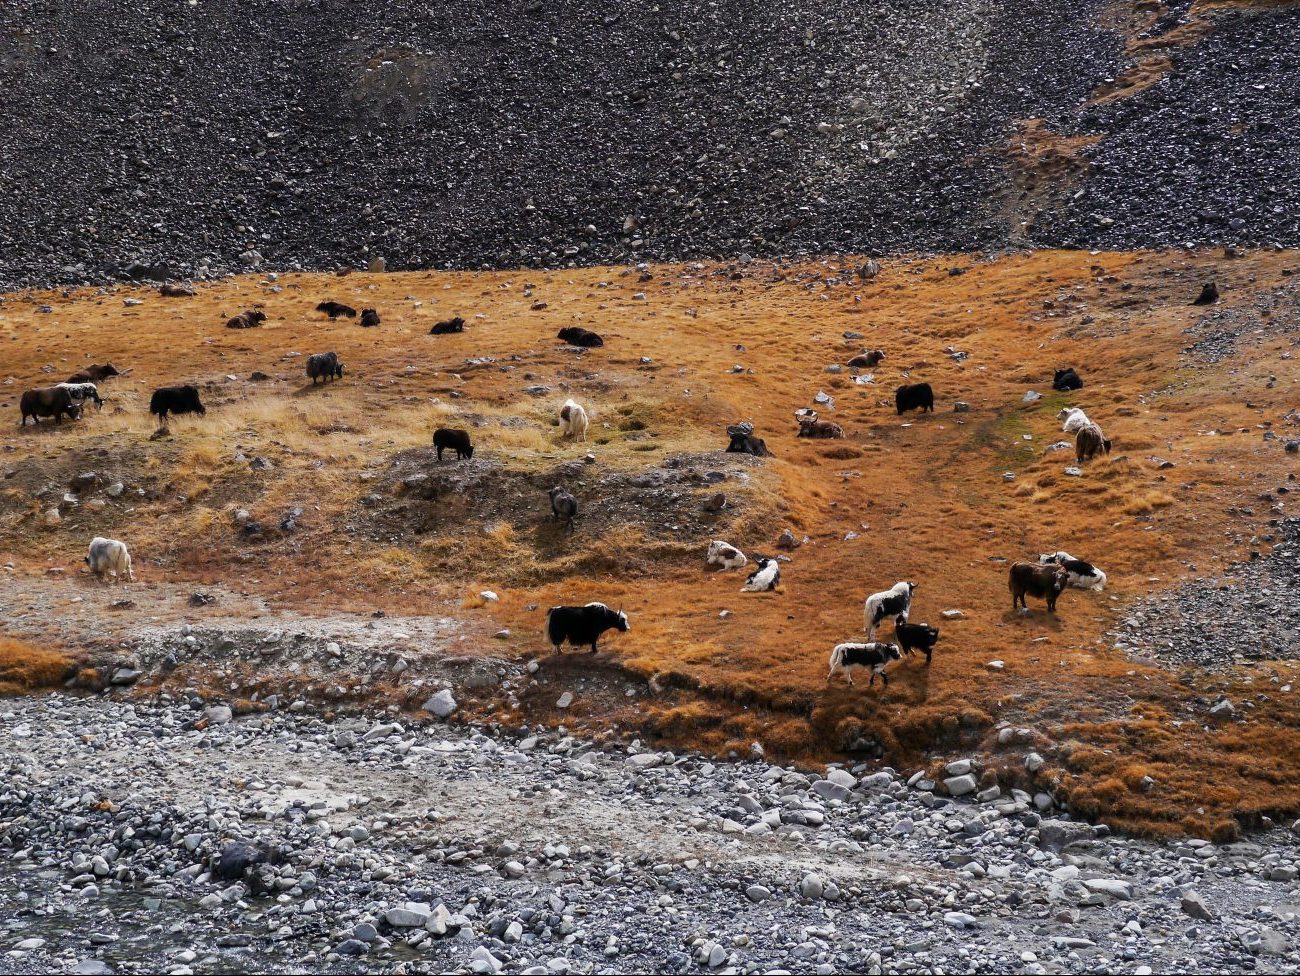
x: 166, y: 836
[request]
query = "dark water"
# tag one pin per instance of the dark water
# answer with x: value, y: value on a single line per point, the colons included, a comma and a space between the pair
x: 149, y: 930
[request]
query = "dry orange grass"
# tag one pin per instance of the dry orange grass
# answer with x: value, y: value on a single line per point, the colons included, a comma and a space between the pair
x: 925, y: 495
x: 25, y: 668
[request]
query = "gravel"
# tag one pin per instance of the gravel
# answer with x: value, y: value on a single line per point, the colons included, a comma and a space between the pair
x: 1250, y: 613
x: 196, y: 139
x: 133, y: 839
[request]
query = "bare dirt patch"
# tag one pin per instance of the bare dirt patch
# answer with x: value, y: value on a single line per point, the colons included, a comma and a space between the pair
x: 629, y: 521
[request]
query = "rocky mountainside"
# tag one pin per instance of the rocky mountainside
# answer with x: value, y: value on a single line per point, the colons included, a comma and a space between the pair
x: 161, y: 138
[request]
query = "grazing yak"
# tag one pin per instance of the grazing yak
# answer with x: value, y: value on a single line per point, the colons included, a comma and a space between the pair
x: 94, y: 374
x: 765, y: 578
x: 448, y: 326
x: 868, y: 359
x: 564, y: 507
x: 447, y: 439
x: 845, y: 657
x: 581, y: 626
x: 575, y: 336
x: 915, y: 637
x: 369, y: 318
x: 725, y: 555
x: 743, y: 441
x: 176, y: 400
x: 1082, y: 575
x: 83, y: 392
x: 914, y: 396
x: 894, y: 602
x: 109, y: 556
x: 48, y: 401
x: 1072, y: 418
x: 1046, y: 582
x: 336, y: 309
x: 1089, y: 442
x: 1067, y: 379
x: 249, y: 319
x: 811, y: 427
x: 324, y: 365
x: 573, y: 420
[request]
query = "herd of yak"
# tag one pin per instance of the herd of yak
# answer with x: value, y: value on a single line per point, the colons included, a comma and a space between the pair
x: 1046, y: 579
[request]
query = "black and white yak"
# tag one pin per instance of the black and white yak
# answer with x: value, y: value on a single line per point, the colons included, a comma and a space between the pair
x: 876, y: 656
x: 765, y: 578
x: 1081, y: 575
x: 894, y: 602
x: 582, y: 626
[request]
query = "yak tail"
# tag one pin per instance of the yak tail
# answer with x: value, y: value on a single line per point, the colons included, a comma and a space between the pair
x: 837, y: 657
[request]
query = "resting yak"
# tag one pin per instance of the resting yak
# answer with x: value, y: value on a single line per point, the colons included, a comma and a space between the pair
x: 448, y: 326
x: 250, y: 319
x: 94, y: 373
x: 575, y: 336
x: 1067, y: 379
x: 335, y: 309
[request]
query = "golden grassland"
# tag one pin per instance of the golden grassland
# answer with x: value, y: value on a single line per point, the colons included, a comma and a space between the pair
x: 924, y: 494
x: 25, y: 667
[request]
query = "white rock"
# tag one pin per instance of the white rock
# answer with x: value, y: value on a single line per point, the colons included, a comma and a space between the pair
x: 409, y: 915
x: 1115, y: 887
x: 841, y: 777
x: 960, y: 785
x: 812, y: 885
x: 442, y: 704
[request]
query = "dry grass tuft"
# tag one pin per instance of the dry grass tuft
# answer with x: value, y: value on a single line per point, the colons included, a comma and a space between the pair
x: 24, y: 668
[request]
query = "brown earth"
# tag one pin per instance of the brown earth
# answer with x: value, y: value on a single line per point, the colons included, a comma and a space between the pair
x: 925, y: 495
